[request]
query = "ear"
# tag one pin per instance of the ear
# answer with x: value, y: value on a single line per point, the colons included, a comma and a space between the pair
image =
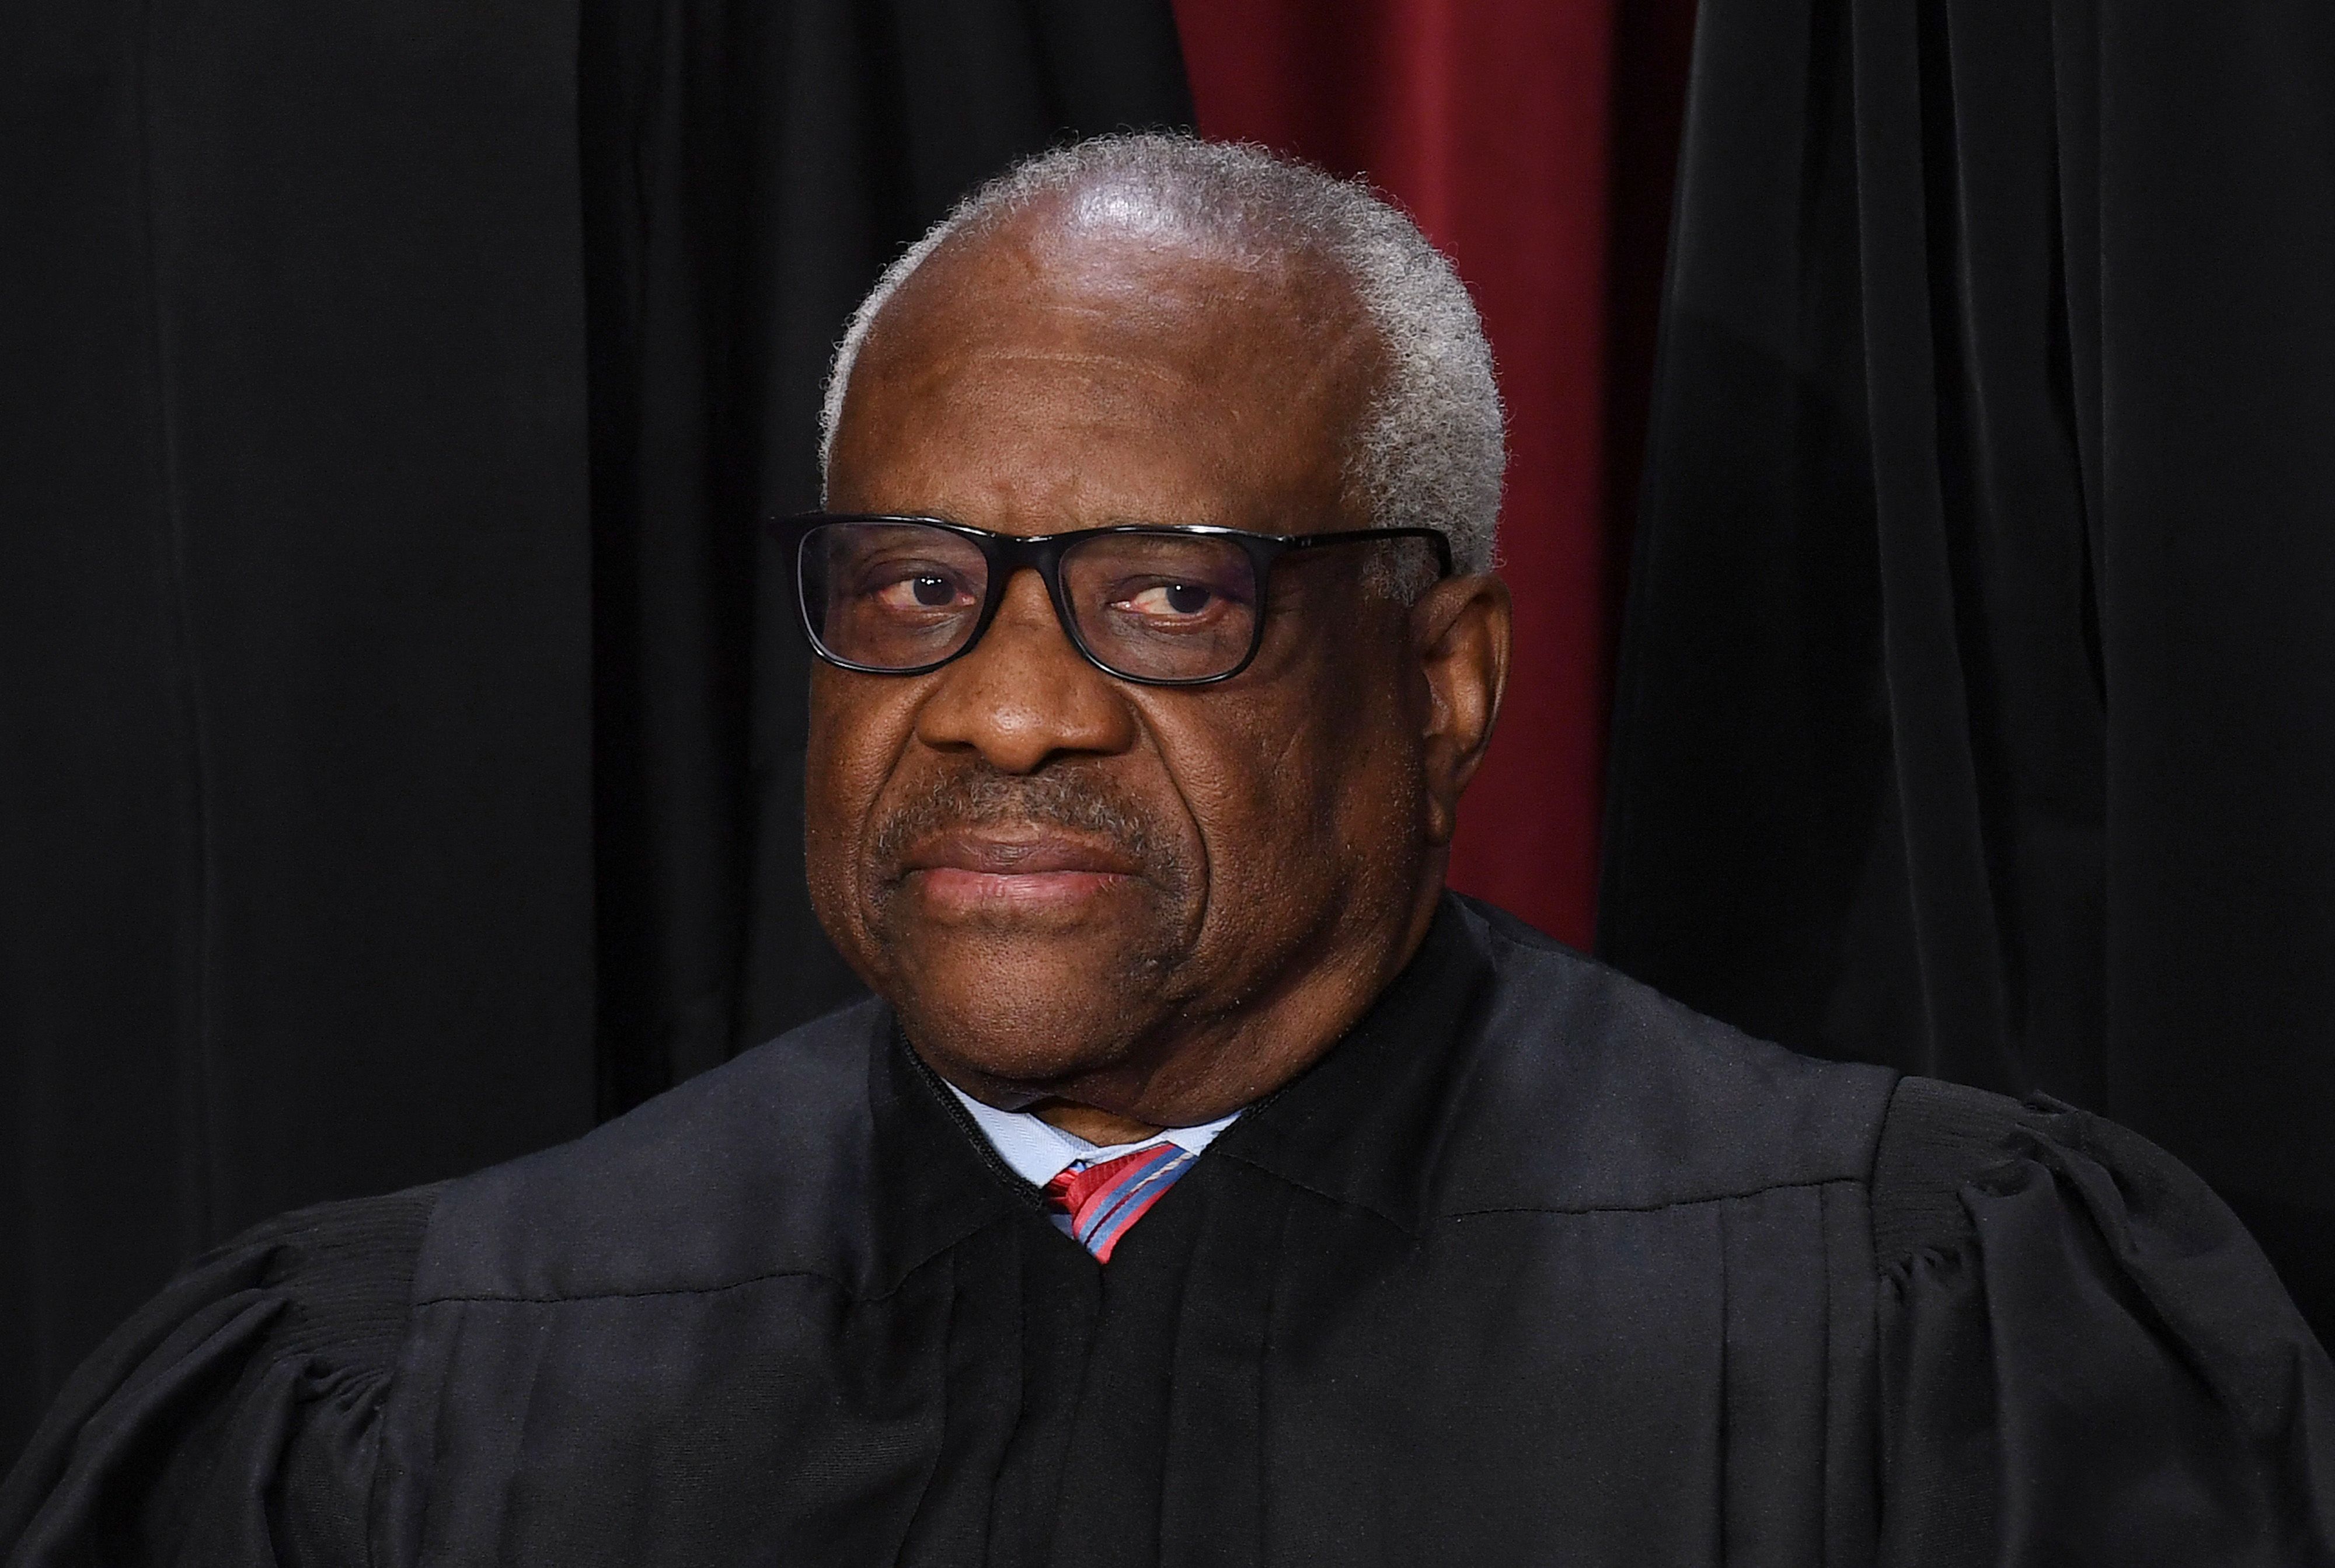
x: 1460, y: 632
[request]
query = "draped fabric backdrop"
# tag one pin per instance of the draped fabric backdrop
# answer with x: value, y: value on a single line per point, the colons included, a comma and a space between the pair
x: 1976, y: 710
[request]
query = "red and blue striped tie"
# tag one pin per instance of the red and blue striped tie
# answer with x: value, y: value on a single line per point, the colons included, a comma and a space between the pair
x: 1104, y: 1201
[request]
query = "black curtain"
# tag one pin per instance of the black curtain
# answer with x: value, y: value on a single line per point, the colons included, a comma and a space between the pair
x: 400, y: 739
x: 1977, y: 708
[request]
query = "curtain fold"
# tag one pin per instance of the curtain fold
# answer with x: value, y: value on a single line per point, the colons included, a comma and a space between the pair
x: 1973, y: 706
x: 295, y: 884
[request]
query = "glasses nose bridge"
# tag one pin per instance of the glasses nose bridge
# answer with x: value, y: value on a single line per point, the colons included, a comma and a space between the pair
x: 1011, y: 555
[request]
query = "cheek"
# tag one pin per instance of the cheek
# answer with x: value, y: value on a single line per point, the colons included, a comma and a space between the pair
x: 859, y: 725
x: 1295, y: 802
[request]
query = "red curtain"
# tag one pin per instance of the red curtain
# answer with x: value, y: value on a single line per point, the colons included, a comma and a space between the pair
x: 1532, y: 141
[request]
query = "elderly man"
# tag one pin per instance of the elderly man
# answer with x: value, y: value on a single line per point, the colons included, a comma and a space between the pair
x: 1208, y: 1186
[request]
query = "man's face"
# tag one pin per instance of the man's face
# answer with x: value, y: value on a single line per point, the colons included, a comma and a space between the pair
x: 1073, y: 885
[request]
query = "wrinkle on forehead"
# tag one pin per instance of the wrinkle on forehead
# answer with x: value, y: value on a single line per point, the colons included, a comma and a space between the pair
x: 931, y: 372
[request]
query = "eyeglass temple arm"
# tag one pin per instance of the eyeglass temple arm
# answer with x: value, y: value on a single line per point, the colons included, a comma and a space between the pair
x: 1435, y: 537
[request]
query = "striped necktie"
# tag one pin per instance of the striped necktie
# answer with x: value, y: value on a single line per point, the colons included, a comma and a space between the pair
x: 1104, y: 1201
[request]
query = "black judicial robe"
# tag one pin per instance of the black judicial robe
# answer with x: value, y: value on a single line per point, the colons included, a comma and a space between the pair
x: 1534, y: 1267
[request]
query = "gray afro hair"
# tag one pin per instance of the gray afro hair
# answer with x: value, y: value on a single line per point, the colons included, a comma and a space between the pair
x: 1432, y: 451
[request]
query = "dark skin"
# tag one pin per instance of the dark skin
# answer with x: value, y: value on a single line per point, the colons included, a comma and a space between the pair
x: 1128, y: 907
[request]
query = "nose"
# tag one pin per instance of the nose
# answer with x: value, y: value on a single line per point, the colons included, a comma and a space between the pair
x: 1024, y: 696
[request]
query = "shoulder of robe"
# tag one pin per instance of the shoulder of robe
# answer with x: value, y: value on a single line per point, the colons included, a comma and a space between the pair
x: 1967, y: 1182
x: 220, y: 1371
x: 760, y: 1166
x: 1590, y: 1089
x: 2084, y: 1355
x: 345, y: 1273
x: 1937, y: 1137
x: 1949, y: 1152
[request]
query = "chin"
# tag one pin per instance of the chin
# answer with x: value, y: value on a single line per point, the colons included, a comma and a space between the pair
x: 1031, y: 1011
x: 1035, y: 1052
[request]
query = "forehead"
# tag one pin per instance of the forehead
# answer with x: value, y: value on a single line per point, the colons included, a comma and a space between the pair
x: 1046, y: 375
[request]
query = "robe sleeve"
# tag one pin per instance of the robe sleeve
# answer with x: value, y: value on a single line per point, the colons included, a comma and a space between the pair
x: 233, y: 1420
x: 2085, y: 1359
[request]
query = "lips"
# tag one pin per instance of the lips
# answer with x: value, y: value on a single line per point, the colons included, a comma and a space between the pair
x: 988, y: 875
x: 994, y: 854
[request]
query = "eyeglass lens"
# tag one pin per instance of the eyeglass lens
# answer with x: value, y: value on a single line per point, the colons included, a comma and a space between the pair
x: 904, y: 596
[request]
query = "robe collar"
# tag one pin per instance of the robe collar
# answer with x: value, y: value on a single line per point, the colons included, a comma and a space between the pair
x: 1365, y: 1124
x: 1368, y: 1124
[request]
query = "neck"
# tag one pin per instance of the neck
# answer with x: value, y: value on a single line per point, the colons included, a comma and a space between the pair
x: 1099, y: 1128
x: 1232, y: 1065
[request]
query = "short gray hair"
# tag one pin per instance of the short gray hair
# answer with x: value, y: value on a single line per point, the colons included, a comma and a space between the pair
x: 1432, y: 451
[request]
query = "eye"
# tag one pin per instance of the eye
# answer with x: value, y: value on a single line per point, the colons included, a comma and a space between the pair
x: 1170, y: 600
x: 912, y: 589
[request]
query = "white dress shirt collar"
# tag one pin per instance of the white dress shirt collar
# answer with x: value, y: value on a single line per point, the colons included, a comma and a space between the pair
x: 1039, y: 1151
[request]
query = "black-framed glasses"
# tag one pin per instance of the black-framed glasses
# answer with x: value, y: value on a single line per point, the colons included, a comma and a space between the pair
x: 1163, y: 606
